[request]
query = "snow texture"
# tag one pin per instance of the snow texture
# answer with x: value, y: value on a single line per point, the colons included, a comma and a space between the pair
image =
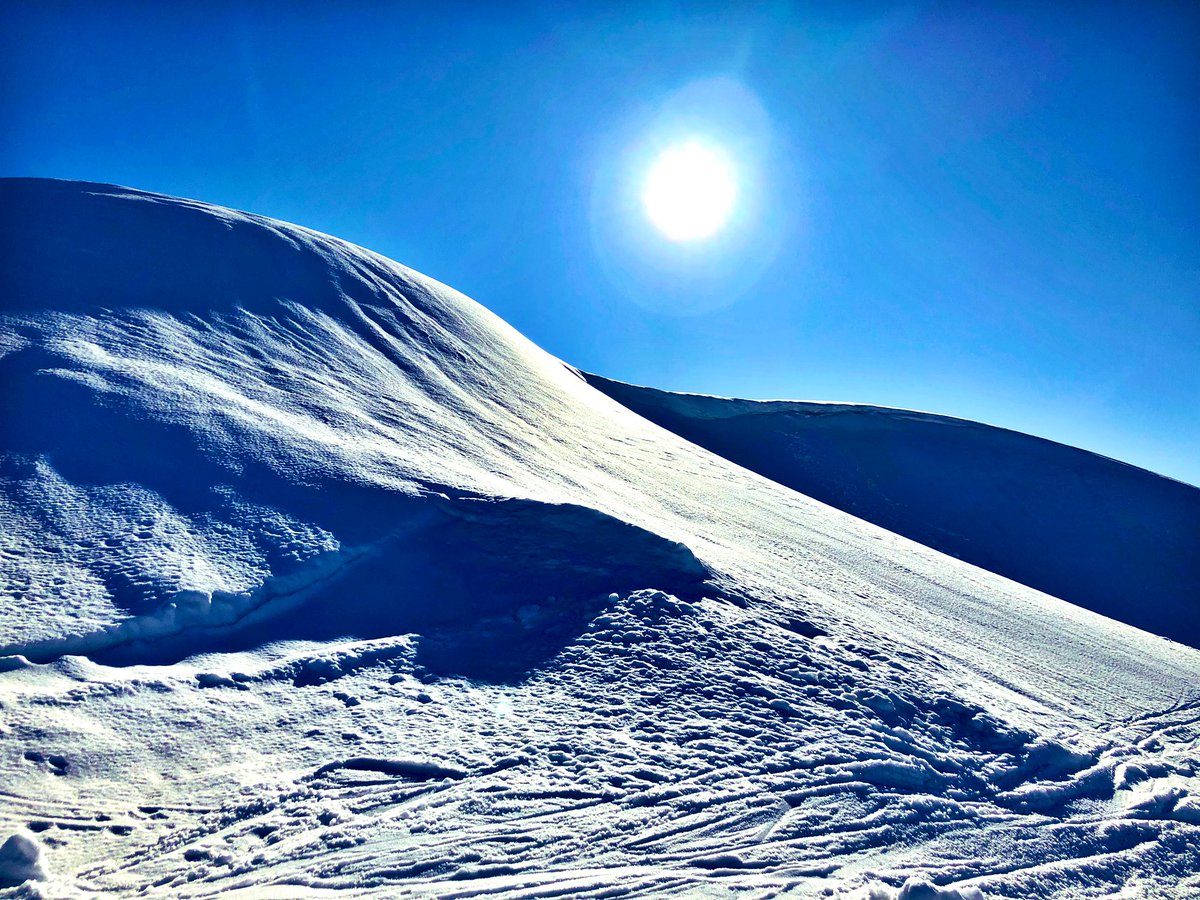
x: 317, y: 577
x: 21, y: 860
x: 1105, y: 535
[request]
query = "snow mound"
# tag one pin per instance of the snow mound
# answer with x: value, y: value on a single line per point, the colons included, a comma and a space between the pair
x: 210, y: 418
x: 920, y: 889
x: 1107, y: 536
x: 21, y: 860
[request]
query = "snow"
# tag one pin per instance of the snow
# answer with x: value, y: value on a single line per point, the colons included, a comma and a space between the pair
x: 319, y: 578
x: 918, y: 889
x: 1105, y: 535
x: 21, y: 860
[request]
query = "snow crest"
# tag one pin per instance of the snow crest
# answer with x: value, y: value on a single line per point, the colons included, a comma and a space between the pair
x: 1102, y: 534
x: 210, y: 417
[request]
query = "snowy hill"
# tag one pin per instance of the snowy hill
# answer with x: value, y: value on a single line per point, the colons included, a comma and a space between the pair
x: 319, y: 577
x: 1108, y: 536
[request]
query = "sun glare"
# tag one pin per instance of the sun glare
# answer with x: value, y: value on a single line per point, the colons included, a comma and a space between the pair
x: 689, y: 192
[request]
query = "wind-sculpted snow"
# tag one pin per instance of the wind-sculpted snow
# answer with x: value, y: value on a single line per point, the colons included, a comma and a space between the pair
x: 1108, y: 536
x: 319, y: 577
x: 188, y: 436
x: 497, y: 585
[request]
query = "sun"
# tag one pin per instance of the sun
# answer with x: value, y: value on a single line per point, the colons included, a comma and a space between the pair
x: 689, y: 191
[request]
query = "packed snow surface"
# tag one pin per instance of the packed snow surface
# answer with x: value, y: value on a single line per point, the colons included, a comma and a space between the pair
x: 1108, y: 536
x: 319, y: 578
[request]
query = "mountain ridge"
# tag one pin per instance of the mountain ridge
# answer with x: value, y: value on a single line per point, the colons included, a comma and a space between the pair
x: 1097, y: 532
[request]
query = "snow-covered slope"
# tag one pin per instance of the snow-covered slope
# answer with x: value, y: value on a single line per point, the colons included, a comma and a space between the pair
x: 319, y: 577
x: 1108, y: 536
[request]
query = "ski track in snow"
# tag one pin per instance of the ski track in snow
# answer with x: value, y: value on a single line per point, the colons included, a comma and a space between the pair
x: 383, y: 600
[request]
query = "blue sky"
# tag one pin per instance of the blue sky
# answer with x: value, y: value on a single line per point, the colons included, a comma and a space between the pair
x: 947, y: 207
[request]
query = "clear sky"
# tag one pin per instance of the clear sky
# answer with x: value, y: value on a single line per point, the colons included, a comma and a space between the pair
x: 946, y: 207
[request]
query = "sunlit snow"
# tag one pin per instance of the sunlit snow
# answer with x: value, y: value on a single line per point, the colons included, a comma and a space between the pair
x: 319, y: 577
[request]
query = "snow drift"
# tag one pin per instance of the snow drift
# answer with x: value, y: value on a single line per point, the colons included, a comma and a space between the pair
x: 218, y: 415
x: 317, y: 576
x: 1108, y: 536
